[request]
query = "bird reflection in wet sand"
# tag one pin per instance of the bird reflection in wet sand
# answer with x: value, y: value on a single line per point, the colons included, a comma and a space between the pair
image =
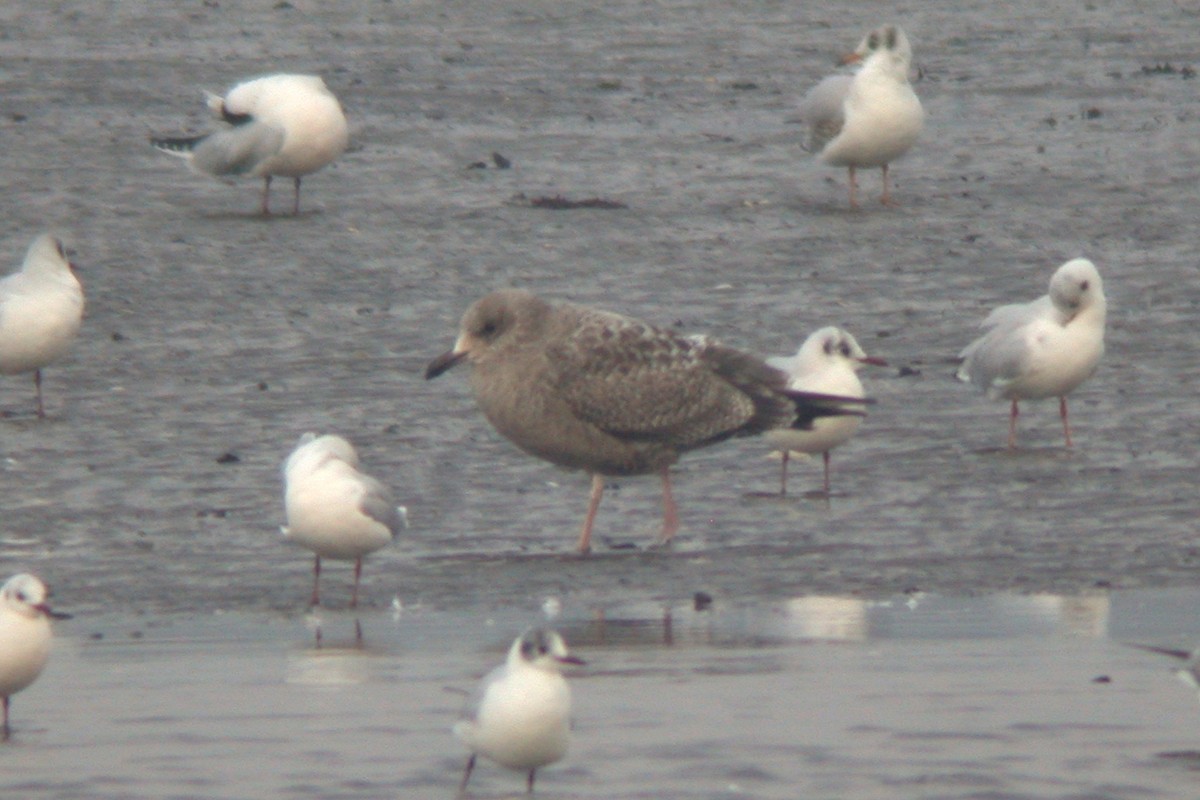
x: 1189, y: 671
x: 593, y: 390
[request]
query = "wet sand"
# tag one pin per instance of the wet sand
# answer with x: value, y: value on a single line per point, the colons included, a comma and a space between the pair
x: 1012, y: 696
x: 215, y: 337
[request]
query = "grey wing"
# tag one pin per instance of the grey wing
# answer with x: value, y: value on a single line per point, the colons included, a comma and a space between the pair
x: 1000, y: 355
x: 639, y: 382
x: 238, y: 150
x: 379, y: 504
x: 823, y: 110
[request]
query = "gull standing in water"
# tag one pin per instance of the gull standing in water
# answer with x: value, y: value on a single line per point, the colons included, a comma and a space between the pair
x: 1045, y: 348
x: 827, y: 362
x: 285, y: 125
x: 41, y: 309
x: 334, y: 509
x: 868, y: 119
x: 593, y: 390
x: 24, y: 636
x: 520, y: 714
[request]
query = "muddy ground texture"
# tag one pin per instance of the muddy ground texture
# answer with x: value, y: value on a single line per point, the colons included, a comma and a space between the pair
x: 214, y: 337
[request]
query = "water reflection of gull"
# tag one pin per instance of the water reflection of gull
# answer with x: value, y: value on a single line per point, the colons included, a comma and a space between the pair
x: 1189, y: 671
x: 328, y: 667
x: 835, y: 619
x: 1083, y: 615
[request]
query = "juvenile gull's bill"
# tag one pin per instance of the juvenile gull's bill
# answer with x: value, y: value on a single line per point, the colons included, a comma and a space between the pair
x: 593, y: 390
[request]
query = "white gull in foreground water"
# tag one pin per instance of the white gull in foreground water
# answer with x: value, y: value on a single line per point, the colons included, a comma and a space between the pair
x: 24, y: 636
x: 520, y: 714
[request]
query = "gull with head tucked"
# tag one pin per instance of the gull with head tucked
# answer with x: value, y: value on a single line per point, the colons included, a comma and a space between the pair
x: 41, y: 309
x: 520, y: 714
x: 1044, y: 348
x: 868, y: 119
x: 593, y: 390
x: 279, y: 125
x: 334, y: 509
x: 24, y: 636
x: 828, y: 362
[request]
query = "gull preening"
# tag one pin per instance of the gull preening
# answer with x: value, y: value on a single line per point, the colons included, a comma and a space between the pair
x: 520, y: 714
x: 41, y: 309
x: 24, y: 636
x: 593, y: 390
x: 827, y: 362
x: 334, y: 509
x: 1044, y: 348
x: 868, y: 119
x: 279, y: 125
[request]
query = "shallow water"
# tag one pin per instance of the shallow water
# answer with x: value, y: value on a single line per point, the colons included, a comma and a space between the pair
x: 150, y: 499
x: 1003, y: 696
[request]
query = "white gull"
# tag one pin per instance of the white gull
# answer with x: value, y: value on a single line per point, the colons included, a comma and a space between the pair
x: 334, y: 509
x: 868, y: 119
x: 1044, y: 348
x: 520, y: 714
x: 41, y: 309
x: 828, y: 363
x: 279, y: 125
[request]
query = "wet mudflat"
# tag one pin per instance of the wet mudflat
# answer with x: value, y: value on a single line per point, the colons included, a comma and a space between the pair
x: 215, y: 337
x: 1012, y: 696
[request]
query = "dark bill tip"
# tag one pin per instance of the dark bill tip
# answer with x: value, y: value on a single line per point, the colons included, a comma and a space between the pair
x: 442, y: 363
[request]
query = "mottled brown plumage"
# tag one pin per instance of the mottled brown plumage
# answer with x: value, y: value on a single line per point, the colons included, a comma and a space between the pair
x: 592, y: 390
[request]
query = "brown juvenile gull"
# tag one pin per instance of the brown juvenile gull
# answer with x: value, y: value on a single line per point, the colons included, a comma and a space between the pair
x: 593, y: 390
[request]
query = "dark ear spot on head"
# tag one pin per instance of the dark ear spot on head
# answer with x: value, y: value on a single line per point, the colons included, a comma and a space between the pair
x: 890, y: 33
x: 873, y: 42
x: 828, y: 348
x: 1084, y: 286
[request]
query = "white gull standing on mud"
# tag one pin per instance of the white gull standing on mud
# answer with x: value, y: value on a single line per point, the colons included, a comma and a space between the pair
x: 285, y: 125
x: 334, y: 509
x: 24, y: 637
x: 593, y: 390
x: 1044, y: 348
x: 868, y: 119
x: 827, y: 362
x: 41, y: 309
x: 520, y: 714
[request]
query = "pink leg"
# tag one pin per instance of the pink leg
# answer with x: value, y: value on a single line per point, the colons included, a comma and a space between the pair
x: 886, y: 199
x: 296, y: 203
x: 1062, y: 411
x: 783, y: 474
x: 37, y: 386
x: 825, y: 458
x: 1012, y: 426
x: 266, y: 197
x: 316, y: 597
x: 357, y: 577
x: 585, y: 538
x: 670, y: 512
x: 853, y: 188
x: 4, y: 732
